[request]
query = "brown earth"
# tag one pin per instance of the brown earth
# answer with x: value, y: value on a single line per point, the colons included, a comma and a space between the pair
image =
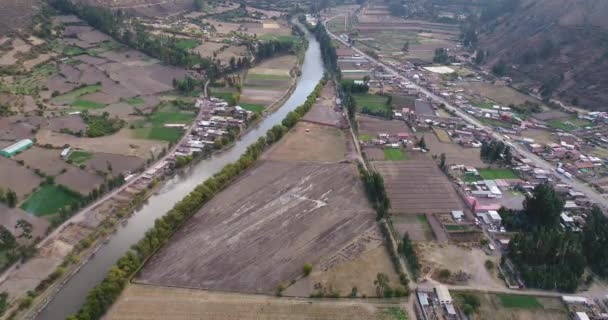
x: 80, y: 181
x: 312, y: 142
x: 417, y: 186
x: 262, y: 229
x: 71, y: 122
x: 46, y: 160
x: 373, y: 126
x: 325, y: 110
x: 119, y: 163
x: 120, y: 143
x: 18, y: 178
x: 10, y: 216
x: 153, y: 302
x: 455, y: 154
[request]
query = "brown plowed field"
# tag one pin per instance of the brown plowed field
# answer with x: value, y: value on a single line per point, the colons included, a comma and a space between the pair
x: 417, y: 186
x: 18, y: 178
x: 262, y: 229
x: 152, y: 302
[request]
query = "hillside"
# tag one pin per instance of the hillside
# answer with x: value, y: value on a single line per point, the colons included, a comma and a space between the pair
x: 562, y: 45
x: 16, y: 14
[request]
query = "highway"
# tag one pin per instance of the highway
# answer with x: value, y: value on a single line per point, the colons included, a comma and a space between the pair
x: 540, y: 163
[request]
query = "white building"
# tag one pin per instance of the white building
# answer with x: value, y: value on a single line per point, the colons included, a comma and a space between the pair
x: 495, y: 217
x: 443, y: 294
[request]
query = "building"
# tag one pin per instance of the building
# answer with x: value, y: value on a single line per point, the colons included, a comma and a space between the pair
x: 581, y: 316
x: 66, y: 153
x: 443, y: 294
x: 16, y: 148
x: 495, y: 217
x: 457, y: 215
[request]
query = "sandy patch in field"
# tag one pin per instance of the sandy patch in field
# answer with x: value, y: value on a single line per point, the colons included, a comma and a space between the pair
x: 346, y: 270
x: 153, y: 302
x: 18, y: 178
x: 18, y: 46
x: 120, y: 143
x: 311, y: 142
x: 434, y: 256
x: 35, y: 41
x: 271, y: 25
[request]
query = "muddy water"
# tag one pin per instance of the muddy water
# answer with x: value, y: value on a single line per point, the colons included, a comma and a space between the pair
x: 68, y: 300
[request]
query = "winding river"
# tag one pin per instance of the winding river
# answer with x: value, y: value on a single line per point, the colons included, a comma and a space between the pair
x: 69, y: 299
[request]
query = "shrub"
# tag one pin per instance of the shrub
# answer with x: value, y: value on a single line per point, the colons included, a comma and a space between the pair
x: 307, y: 269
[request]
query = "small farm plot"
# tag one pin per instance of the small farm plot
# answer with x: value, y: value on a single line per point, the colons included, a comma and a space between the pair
x: 80, y: 181
x: 154, y: 126
x: 79, y: 156
x: 277, y: 217
x: 48, y: 200
x: 156, y: 303
x: 71, y: 122
x: 507, y: 307
x: 455, y: 154
x: 114, y: 164
x: 324, y: 111
x: 46, y: 161
x: 10, y: 216
x: 267, y: 82
x: 70, y: 97
x: 18, y: 178
x: 370, y: 127
x: 312, y: 142
x: 497, y: 173
x: 394, y: 154
x: 372, y: 104
x: 503, y: 95
x: 417, y: 186
x: 416, y: 226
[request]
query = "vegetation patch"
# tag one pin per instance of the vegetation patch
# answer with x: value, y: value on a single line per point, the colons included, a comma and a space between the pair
x: 519, y: 301
x: 74, y: 94
x: 569, y: 124
x: 392, y: 154
x: 48, y: 200
x: 154, y: 128
x: 186, y: 44
x: 373, y: 104
x: 456, y: 227
x: 495, y: 173
x: 87, y: 104
x: 103, y: 125
x: 79, y: 156
x: 135, y: 101
x: 365, y: 137
x: 253, y: 107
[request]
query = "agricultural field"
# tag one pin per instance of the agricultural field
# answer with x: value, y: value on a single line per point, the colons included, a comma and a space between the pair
x: 416, y: 226
x: 80, y: 181
x: 502, y: 94
x: 540, y: 136
x: 113, y: 164
x: 455, y: 154
x: 312, y: 142
x: 417, y: 186
x: 394, y: 154
x: 79, y: 156
x: 10, y: 216
x: 521, y: 307
x: 273, y: 209
x: 569, y: 125
x: 153, y: 127
x: 325, y: 111
x: 45, y: 160
x: 268, y: 81
x: 371, y: 127
x: 497, y: 173
x: 371, y: 103
x: 48, y: 200
x: 153, y: 302
x: 18, y: 178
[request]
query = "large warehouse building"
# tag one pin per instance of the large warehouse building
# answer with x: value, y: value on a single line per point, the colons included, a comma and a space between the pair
x: 16, y: 148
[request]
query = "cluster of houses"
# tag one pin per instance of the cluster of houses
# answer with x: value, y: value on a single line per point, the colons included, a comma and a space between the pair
x: 581, y: 308
x: 435, y: 303
x: 216, y: 120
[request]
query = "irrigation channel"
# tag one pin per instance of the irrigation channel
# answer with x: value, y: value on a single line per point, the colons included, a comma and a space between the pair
x: 72, y: 295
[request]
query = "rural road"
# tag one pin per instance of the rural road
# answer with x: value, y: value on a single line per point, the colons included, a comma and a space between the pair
x: 575, y: 183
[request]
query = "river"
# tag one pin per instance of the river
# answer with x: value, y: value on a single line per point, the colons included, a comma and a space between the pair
x: 69, y: 299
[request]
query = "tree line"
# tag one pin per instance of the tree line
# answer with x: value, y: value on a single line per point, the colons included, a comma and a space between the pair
x: 100, y: 298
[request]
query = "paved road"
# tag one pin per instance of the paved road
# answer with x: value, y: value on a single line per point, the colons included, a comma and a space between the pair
x: 577, y: 184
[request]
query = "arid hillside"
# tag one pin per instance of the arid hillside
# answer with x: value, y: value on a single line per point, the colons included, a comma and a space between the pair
x: 560, y: 44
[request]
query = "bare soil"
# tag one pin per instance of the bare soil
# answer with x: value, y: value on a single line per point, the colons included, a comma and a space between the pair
x: 454, y: 153
x: 118, y: 162
x: 325, y: 111
x: 502, y: 94
x: 10, y: 216
x: 46, y: 160
x: 417, y: 186
x: 72, y: 122
x: 153, y: 302
x: 312, y: 142
x: 79, y: 180
x: 356, y: 265
x: 120, y: 143
x: 262, y: 229
x: 18, y: 178
x: 373, y: 126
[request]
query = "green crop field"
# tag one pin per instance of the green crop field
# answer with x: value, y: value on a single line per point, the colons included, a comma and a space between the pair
x: 484, y: 105
x: 365, y: 138
x: 456, y: 227
x: 286, y: 38
x: 87, y: 104
x: 79, y: 157
x: 394, y: 154
x: 48, y: 200
x: 73, y: 51
x: 259, y: 76
x: 493, y: 173
x: 153, y: 128
x: 135, y: 101
x: 519, y: 301
x: 569, y: 124
x: 257, y: 108
x: 163, y: 134
x: 186, y: 44
x: 375, y: 104
x: 74, y: 94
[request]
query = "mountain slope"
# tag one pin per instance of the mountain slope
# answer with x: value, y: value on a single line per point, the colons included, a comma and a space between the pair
x: 561, y: 44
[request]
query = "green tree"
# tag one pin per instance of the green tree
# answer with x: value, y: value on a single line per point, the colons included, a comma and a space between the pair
x: 544, y: 207
x: 11, y: 198
x: 307, y: 269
